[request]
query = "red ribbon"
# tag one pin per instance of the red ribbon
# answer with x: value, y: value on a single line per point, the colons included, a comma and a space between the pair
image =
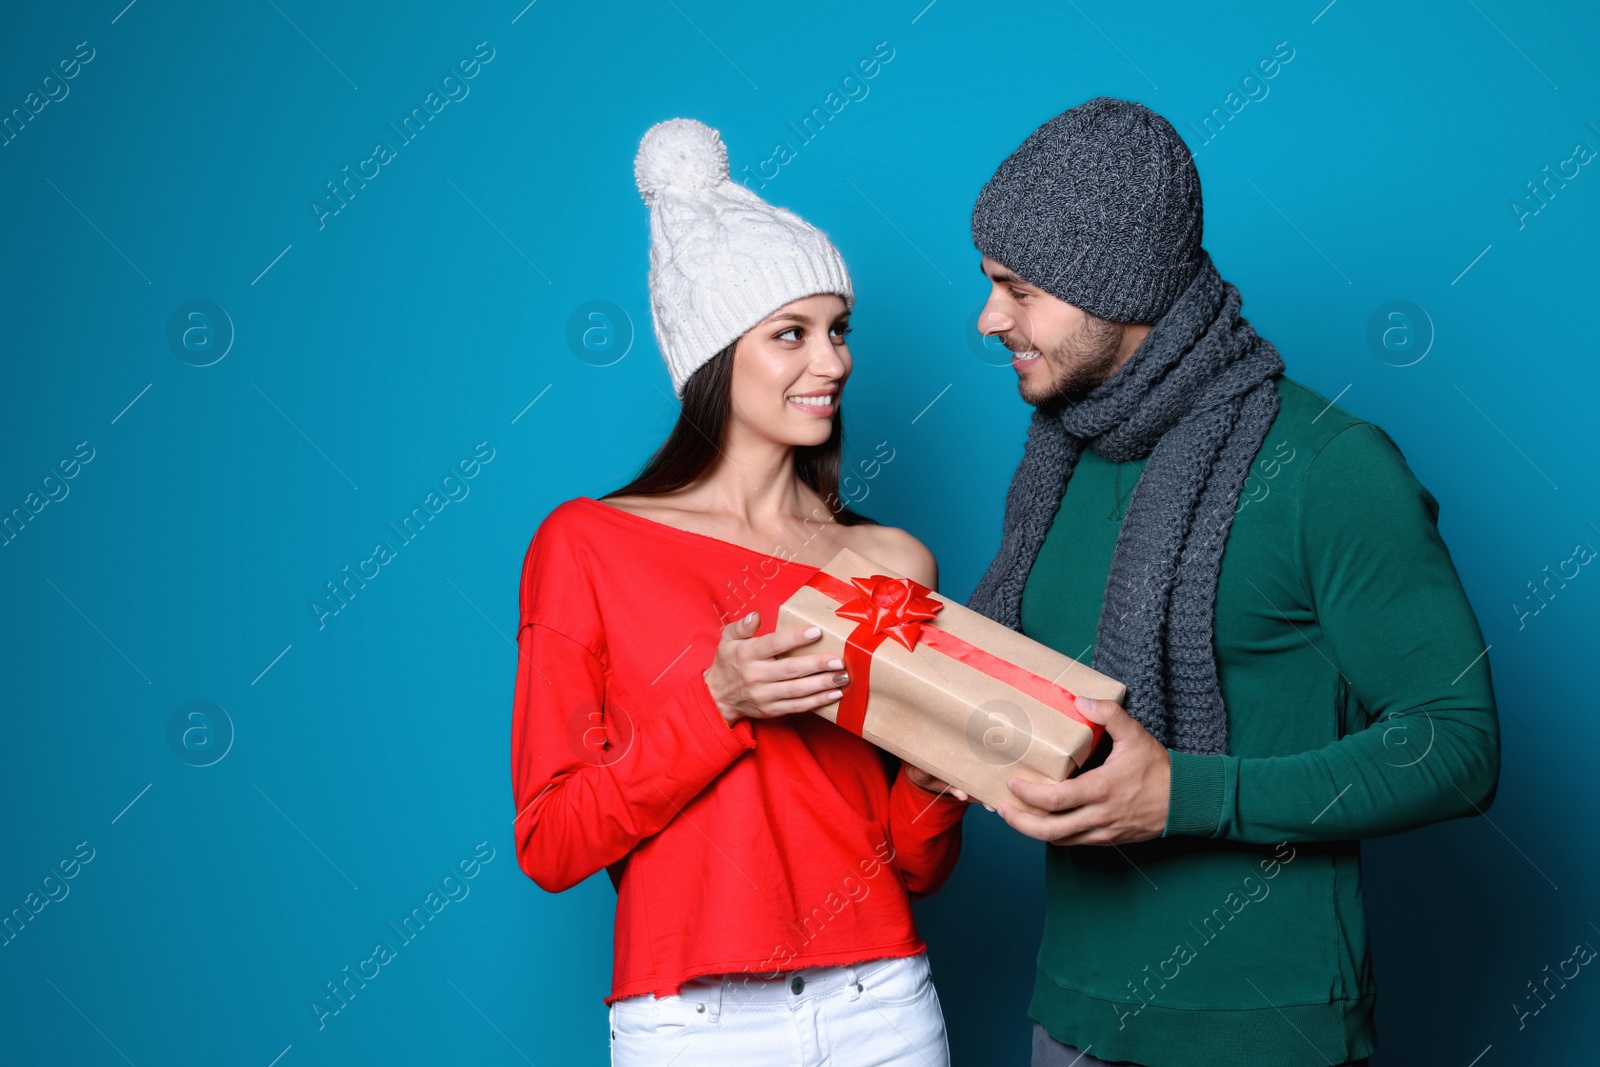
x: 898, y: 607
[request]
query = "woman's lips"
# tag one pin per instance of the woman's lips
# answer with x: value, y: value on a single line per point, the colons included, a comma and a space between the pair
x: 823, y: 410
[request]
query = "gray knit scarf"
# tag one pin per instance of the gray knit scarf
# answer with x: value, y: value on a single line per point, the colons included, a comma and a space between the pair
x: 1197, y: 397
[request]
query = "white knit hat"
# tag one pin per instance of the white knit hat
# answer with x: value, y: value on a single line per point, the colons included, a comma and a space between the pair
x: 721, y: 258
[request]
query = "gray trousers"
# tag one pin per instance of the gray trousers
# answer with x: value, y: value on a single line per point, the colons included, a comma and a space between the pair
x: 1048, y: 1052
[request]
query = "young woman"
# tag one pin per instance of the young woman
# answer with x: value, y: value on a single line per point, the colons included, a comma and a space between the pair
x: 764, y: 859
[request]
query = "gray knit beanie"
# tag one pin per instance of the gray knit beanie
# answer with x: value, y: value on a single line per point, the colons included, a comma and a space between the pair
x: 1100, y: 207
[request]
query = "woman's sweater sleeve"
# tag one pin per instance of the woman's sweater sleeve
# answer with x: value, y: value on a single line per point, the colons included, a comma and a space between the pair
x: 590, y: 780
x: 1397, y: 626
x: 925, y: 833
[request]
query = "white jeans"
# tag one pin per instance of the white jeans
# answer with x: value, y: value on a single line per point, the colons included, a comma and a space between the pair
x: 880, y: 1013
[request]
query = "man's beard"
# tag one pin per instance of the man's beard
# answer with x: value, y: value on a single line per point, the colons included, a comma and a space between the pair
x: 1078, y: 364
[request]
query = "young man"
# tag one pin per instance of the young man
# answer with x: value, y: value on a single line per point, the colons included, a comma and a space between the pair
x: 1264, y: 573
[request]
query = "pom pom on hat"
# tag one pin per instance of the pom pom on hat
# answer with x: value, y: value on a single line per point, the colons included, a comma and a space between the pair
x: 682, y: 155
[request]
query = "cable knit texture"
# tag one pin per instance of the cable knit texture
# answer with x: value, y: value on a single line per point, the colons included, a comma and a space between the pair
x: 721, y: 258
x: 1197, y: 398
x: 1100, y: 206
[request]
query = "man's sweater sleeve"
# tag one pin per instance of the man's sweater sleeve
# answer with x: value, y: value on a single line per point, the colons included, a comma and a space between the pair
x: 1397, y: 626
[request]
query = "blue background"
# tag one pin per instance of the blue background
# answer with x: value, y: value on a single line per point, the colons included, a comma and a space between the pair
x: 370, y: 353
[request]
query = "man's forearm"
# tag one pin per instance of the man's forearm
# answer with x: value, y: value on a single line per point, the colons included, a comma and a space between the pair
x: 1400, y: 773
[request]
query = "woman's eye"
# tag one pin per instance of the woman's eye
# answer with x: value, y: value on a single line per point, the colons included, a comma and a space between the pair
x: 841, y: 331
x: 785, y: 335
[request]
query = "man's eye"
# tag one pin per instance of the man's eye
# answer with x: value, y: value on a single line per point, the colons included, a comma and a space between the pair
x: 1018, y: 295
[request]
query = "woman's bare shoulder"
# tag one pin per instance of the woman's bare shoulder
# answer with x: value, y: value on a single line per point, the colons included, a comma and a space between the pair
x: 898, y: 550
x: 637, y: 505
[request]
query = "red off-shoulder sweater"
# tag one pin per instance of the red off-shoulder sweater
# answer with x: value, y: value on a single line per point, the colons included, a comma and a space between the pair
x: 758, y: 848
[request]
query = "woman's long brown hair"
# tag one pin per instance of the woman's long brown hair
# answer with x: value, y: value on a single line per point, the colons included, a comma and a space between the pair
x: 696, y: 442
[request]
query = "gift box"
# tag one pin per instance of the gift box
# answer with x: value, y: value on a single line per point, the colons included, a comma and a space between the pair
x: 943, y: 687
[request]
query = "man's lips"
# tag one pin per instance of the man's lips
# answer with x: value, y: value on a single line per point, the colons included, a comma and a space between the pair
x: 1022, y: 360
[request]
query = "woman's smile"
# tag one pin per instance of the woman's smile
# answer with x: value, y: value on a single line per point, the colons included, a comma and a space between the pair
x: 819, y: 403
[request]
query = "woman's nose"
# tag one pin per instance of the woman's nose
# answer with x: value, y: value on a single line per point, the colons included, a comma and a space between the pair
x: 825, y: 359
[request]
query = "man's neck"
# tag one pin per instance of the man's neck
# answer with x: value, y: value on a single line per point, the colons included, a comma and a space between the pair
x: 1133, y: 335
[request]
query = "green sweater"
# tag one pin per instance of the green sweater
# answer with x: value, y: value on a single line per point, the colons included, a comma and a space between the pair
x: 1359, y: 703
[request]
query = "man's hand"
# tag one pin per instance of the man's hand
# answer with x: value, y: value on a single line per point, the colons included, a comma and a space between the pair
x: 1122, y: 800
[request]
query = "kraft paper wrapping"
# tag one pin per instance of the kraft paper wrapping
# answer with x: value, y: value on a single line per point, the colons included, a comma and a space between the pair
x: 951, y: 716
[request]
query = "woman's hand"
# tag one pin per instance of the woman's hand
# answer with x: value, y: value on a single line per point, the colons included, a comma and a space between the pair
x: 748, y: 681
x: 925, y: 781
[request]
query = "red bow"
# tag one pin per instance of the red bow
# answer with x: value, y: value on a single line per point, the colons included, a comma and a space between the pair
x: 886, y: 607
x: 894, y: 606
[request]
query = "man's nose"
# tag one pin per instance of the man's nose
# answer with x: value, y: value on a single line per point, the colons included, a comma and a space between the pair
x: 992, y: 321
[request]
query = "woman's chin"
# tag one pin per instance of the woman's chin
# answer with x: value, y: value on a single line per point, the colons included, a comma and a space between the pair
x: 803, y: 434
